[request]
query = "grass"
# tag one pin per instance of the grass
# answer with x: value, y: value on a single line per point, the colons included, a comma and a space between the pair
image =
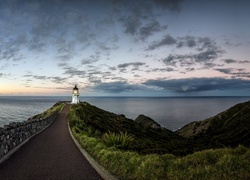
x: 55, y: 108
x: 224, y: 163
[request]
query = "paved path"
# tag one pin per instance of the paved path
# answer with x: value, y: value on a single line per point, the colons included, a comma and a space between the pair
x: 50, y: 155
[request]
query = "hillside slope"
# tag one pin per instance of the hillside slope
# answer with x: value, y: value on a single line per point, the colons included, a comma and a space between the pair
x: 147, y: 139
x: 229, y: 128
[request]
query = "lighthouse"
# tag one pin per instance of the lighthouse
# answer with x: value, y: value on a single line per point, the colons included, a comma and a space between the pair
x: 75, y: 95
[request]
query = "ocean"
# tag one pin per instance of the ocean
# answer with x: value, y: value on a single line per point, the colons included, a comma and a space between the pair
x: 171, y: 112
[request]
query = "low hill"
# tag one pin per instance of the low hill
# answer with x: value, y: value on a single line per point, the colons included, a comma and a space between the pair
x: 147, y: 139
x: 229, y: 128
x: 147, y: 122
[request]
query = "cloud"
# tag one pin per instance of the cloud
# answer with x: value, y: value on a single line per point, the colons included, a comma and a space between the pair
x: 36, y: 76
x: 235, y: 72
x: 229, y: 61
x: 204, y: 52
x: 186, y: 41
x: 58, y: 80
x: 207, y: 55
x: 244, y: 62
x: 116, y: 87
x: 198, y: 84
x: 168, y: 69
x: 36, y: 44
x: 233, y: 61
x: 131, y: 24
x: 64, y: 57
x: 167, y: 40
x: 72, y: 71
x: 140, y: 17
x: 141, y: 28
x: 199, y: 43
x: 135, y: 64
x: 9, y: 51
x: 54, y: 79
x: 150, y: 28
x: 224, y: 70
x: 173, y: 5
x: 92, y: 59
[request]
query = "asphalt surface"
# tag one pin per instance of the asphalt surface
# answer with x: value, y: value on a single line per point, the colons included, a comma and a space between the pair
x: 51, y: 154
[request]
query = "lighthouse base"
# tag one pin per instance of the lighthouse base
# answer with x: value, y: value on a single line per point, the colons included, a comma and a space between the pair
x: 75, y: 100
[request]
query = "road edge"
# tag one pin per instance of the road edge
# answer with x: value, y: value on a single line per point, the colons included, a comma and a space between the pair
x: 100, y: 170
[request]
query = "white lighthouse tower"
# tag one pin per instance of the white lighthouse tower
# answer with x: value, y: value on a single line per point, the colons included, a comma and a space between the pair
x: 75, y: 95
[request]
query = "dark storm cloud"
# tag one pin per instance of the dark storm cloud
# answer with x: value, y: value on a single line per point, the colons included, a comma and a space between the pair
x: 116, y: 87
x: 199, y: 84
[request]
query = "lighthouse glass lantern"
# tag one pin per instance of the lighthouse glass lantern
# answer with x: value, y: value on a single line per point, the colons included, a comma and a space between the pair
x: 75, y: 95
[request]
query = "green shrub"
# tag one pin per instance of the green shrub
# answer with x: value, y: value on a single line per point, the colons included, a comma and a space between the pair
x: 121, y: 140
x: 92, y: 132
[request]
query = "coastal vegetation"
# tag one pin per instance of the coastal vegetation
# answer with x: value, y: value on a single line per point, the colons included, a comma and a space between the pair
x: 132, y: 151
x: 55, y: 108
x: 228, y: 128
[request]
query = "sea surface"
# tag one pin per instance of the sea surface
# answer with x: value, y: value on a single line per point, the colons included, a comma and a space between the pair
x: 171, y: 112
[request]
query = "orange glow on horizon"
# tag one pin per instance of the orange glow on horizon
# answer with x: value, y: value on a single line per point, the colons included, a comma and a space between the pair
x: 21, y: 90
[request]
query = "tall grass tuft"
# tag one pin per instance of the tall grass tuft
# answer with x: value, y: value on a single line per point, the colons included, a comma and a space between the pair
x: 119, y: 140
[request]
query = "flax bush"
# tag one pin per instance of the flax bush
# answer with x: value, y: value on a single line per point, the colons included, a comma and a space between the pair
x: 119, y: 140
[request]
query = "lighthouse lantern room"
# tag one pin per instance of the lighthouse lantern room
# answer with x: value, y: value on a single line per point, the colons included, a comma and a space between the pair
x: 75, y: 95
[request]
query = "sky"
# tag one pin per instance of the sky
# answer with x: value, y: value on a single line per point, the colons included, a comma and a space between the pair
x: 125, y: 47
